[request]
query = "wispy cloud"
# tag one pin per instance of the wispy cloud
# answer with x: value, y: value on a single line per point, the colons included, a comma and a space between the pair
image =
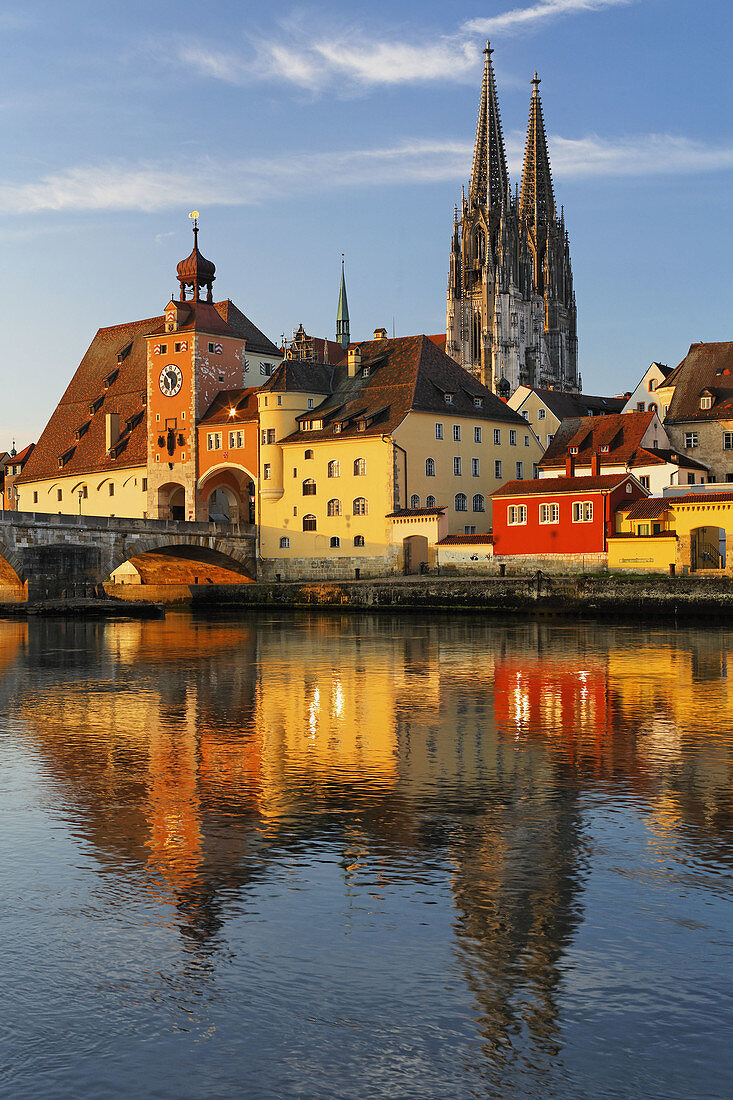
x: 258, y: 181
x: 521, y: 18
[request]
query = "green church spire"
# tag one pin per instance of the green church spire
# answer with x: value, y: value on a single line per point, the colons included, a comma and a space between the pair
x: 342, y: 316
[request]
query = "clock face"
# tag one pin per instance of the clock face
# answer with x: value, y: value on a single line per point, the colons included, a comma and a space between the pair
x: 171, y: 380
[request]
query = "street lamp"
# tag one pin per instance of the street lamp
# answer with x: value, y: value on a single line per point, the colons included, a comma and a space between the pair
x: 80, y: 494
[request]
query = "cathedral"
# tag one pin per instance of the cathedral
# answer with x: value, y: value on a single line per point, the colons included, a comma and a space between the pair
x: 511, y: 317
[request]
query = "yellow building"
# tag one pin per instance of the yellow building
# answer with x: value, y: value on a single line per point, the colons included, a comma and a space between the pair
x: 692, y: 532
x: 368, y: 464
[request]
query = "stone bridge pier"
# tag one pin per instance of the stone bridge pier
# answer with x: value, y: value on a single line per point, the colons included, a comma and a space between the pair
x: 54, y: 556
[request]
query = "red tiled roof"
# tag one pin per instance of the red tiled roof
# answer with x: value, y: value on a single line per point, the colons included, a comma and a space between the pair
x: 705, y: 367
x: 439, y: 340
x: 701, y: 498
x: 650, y: 508
x: 22, y: 456
x: 405, y: 374
x: 406, y: 513
x: 244, y: 402
x: 552, y: 486
x: 463, y: 540
x: 622, y: 433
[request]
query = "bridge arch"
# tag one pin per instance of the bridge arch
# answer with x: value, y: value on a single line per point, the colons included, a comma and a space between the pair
x: 202, y: 554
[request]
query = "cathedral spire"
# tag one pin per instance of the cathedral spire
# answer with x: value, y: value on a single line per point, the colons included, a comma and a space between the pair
x: 489, y: 178
x: 537, y: 200
x: 343, y: 336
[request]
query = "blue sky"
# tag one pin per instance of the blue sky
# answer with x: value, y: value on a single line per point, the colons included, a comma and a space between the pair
x: 303, y: 130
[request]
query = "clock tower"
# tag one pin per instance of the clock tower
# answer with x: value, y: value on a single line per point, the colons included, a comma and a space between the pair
x: 191, y: 358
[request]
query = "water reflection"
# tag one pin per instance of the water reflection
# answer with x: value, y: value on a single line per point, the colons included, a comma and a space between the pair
x: 447, y: 764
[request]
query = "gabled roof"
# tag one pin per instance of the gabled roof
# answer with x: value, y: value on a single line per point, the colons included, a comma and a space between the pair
x: 565, y: 405
x: 73, y: 417
x: 650, y: 508
x: 406, y: 374
x: 552, y: 486
x: 244, y: 403
x: 242, y: 326
x: 300, y: 376
x: 706, y: 367
x: 622, y: 433
x: 21, y: 457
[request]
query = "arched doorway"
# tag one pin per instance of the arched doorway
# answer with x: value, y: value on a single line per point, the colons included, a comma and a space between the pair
x: 415, y: 550
x: 707, y: 548
x: 228, y: 494
x: 171, y: 501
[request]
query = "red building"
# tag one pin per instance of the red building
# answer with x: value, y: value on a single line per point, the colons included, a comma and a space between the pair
x: 560, y: 515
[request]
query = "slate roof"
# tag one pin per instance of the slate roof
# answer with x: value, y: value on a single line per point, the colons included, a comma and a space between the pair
x: 621, y: 432
x: 112, y: 377
x: 552, y: 486
x: 565, y: 405
x: 706, y: 367
x: 244, y: 402
x: 300, y: 376
x: 406, y: 374
x: 650, y: 508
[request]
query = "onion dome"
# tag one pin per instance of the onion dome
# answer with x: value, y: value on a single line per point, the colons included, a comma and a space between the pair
x: 196, y: 272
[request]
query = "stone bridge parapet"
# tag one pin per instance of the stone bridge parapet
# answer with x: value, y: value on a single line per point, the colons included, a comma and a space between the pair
x: 53, y: 553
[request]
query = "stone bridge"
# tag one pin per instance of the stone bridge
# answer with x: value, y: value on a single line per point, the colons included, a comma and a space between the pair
x: 53, y: 555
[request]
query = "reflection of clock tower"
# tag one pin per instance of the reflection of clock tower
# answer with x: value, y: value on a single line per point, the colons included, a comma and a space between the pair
x: 190, y: 359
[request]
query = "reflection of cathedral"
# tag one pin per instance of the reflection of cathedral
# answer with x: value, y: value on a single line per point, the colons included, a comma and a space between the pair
x: 511, y: 317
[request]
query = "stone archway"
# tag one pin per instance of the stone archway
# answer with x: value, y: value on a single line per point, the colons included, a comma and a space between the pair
x: 707, y: 548
x: 228, y: 494
x: 171, y: 501
x: 415, y: 551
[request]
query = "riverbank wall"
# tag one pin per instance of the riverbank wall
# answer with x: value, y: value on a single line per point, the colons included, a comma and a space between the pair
x: 581, y: 596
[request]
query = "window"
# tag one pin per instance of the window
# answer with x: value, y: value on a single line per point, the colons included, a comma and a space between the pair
x: 35, y: 498
x: 438, y: 431
x: 652, y: 407
x: 512, y: 437
x: 214, y: 348
x: 497, y: 436
x: 642, y: 529
x: 360, y: 507
x: 266, y: 471
x: 474, y: 467
x: 456, y: 433
x: 456, y: 467
x: 337, y: 427
x: 541, y: 414
x: 728, y: 441
x: 690, y: 479
x: 690, y: 439
x: 213, y: 441
x: 652, y: 385
x: 516, y: 513
x: 236, y: 439
x: 359, y: 467
x: 448, y: 397
x: 309, y: 487
x: 334, y: 468
x: 640, y: 406
x: 358, y: 540
x: 520, y: 468
x: 162, y: 349
x: 549, y: 513
x: 526, y: 441
x: 430, y: 465
x: 333, y: 508
x: 706, y: 402
x: 361, y: 425
x: 279, y: 399
x: 583, y: 511
x: 414, y: 501
x: 469, y: 529
x: 479, y: 503
x: 365, y: 372
x: 335, y: 542
x: 310, y: 402
x: 497, y: 467
x: 59, y: 495
x: 573, y: 450
x: 644, y: 479
x: 550, y: 439
x: 525, y: 414
x: 285, y: 543
x: 477, y: 435
x: 309, y: 523
x: 111, y: 489
x: 270, y: 435
x: 430, y: 501
x: 316, y: 425
x: 478, y: 402
x: 308, y: 454
x: 461, y: 502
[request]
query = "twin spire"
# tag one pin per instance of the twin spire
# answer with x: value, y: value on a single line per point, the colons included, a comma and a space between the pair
x: 490, y: 178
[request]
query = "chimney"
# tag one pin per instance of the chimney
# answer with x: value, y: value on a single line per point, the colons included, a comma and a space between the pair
x: 112, y: 431
x: 595, y: 464
x: 354, y: 360
x: 380, y: 334
x: 569, y: 465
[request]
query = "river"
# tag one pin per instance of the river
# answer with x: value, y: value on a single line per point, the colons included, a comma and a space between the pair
x: 359, y: 856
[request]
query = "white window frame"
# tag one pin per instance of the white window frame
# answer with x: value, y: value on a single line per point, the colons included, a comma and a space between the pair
x: 582, y: 511
x: 516, y: 514
x: 550, y: 513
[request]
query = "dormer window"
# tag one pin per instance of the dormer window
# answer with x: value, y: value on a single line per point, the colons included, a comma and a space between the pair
x: 448, y: 397
x: 573, y: 450
x: 478, y: 402
x: 604, y: 449
x: 337, y: 427
x: 706, y: 401
x: 361, y: 425
x: 365, y: 372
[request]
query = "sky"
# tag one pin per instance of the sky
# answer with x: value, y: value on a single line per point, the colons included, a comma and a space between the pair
x: 301, y: 131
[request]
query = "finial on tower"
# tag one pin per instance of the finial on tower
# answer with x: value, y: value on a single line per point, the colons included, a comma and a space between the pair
x: 536, y: 81
x: 488, y: 50
x: 343, y: 335
x: 196, y: 271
